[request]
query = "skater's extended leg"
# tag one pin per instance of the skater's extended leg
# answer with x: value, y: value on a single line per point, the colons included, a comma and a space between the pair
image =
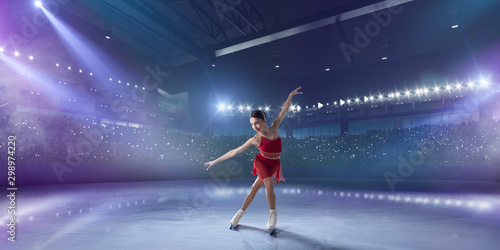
x: 271, y: 197
x: 253, y: 191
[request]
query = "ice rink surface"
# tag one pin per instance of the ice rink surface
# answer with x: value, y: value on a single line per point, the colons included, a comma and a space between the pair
x: 312, y: 214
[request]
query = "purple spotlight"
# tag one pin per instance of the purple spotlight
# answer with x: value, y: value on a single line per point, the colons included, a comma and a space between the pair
x: 2, y: 49
x: 38, y: 4
x: 16, y: 54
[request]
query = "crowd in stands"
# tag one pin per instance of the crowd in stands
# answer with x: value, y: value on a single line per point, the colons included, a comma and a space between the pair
x: 49, y: 138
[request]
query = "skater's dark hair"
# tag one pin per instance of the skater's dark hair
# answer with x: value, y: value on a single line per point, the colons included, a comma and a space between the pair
x: 258, y: 114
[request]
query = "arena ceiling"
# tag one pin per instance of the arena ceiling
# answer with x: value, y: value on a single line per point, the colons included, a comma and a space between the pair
x: 305, y: 38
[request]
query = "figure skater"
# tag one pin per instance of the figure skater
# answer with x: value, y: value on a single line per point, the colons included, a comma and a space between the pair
x: 266, y: 164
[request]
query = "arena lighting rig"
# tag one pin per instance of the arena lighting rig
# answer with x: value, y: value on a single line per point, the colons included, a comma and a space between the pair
x: 483, y: 83
x: 408, y: 95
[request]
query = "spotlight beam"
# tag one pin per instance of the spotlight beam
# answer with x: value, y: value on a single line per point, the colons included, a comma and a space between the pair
x: 85, y: 51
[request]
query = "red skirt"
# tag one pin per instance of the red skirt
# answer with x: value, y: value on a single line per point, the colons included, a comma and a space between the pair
x: 267, y: 168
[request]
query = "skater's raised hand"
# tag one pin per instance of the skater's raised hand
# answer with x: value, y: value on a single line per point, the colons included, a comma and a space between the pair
x: 296, y: 91
x: 209, y: 164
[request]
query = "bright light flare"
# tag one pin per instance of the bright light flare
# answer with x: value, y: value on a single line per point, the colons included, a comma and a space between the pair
x: 17, y: 54
x: 38, y: 4
x: 484, y: 82
x: 222, y: 107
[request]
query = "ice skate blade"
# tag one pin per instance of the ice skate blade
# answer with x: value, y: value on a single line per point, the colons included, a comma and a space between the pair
x: 272, y: 232
x: 234, y: 228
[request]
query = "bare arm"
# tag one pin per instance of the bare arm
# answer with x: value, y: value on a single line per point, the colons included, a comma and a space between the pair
x: 282, y: 114
x: 231, y: 153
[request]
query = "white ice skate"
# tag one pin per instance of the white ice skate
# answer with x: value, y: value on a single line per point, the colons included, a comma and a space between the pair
x: 236, y: 218
x: 271, y: 224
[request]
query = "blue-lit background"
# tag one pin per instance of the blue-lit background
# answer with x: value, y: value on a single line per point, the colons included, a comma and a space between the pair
x: 100, y: 92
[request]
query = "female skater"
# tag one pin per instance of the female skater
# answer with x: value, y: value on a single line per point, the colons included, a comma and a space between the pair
x: 266, y: 164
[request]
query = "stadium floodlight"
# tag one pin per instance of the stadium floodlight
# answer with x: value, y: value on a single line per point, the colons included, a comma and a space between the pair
x: 249, y: 108
x: 407, y: 93
x: 2, y: 49
x: 342, y: 102
x: 436, y: 89
x: 222, y: 107
x: 397, y: 94
x: 380, y: 97
x: 38, y: 4
x: 470, y: 85
x: 292, y: 107
x: 391, y: 95
x: 484, y: 82
x: 448, y: 87
x: 240, y: 108
x: 229, y: 107
x: 266, y: 108
x: 348, y: 101
x: 371, y: 98
x: 31, y: 58
x: 425, y: 90
x: 458, y: 86
x: 17, y: 54
x: 298, y: 108
x: 356, y: 100
x: 365, y: 99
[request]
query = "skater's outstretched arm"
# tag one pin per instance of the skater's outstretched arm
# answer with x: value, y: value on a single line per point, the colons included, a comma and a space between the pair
x: 232, y: 153
x: 282, y: 114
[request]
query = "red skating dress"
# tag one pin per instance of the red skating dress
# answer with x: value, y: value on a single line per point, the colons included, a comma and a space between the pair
x: 267, y: 162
